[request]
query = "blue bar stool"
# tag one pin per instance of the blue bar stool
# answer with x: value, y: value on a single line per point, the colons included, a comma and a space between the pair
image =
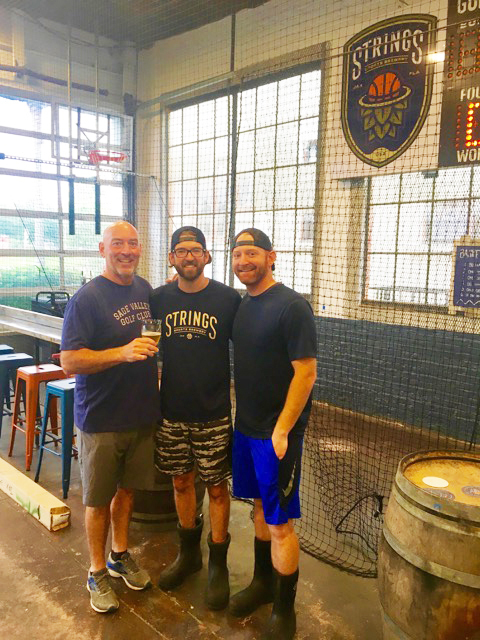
x: 63, y: 389
x: 10, y: 362
x: 6, y: 348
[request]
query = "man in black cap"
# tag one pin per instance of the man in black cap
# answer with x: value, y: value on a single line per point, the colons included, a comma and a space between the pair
x: 275, y: 343
x: 197, y: 317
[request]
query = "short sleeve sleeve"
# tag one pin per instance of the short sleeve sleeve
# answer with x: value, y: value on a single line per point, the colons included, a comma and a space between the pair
x: 237, y: 298
x: 78, y: 326
x: 156, y: 302
x: 299, y: 330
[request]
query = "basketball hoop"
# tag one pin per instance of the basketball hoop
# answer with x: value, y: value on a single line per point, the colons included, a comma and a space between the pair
x: 96, y: 157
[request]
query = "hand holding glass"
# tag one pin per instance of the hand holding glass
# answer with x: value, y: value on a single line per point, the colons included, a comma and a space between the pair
x: 153, y: 330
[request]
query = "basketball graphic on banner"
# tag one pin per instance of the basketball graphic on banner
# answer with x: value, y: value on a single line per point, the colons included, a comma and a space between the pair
x: 382, y: 108
x: 385, y: 86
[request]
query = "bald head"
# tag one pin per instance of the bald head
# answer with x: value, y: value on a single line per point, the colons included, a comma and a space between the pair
x: 120, y: 226
x: 121, y: 249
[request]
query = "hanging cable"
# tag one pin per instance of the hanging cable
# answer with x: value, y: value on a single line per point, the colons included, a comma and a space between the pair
x: 33, y: 245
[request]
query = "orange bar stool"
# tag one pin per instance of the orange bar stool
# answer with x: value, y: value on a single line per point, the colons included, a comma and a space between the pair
x: 28, y: 383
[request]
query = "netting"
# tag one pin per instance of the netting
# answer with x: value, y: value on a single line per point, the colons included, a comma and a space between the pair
x: 346, y: 131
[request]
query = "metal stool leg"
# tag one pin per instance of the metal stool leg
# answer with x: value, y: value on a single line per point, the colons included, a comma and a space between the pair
x: 4, y: 385
x: 67, y: 440
x: 7, y: 390
x: 43, y: 434
x: 16, y: 412
x: 5, y: 375
x: 31, y: 422
x: 54, y: 415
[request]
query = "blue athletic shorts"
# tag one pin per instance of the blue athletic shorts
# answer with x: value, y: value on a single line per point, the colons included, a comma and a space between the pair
x: 258, y: 473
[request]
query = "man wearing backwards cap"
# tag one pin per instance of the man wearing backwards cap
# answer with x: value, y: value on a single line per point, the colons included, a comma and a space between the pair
x: 275, y: 369
x: 197, y: 318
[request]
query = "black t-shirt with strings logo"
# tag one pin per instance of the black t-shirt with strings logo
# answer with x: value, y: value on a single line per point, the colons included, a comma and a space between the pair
x: 196, y: 329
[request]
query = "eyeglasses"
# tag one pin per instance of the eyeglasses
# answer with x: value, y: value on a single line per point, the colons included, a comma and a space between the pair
x: 197, y: 252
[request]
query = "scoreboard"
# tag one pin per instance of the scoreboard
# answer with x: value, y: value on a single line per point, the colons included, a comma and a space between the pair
x: 460, y: 119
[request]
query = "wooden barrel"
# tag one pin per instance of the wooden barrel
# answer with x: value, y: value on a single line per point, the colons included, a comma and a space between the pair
x: 154, y: 510
x: 429, y: 555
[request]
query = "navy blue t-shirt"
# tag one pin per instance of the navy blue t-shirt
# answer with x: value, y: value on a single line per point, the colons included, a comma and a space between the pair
x: 270, y: 330
x: 196, y: 329
x: 103, y: 315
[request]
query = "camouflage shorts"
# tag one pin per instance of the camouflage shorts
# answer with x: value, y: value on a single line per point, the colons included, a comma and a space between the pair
x: 181, y: 445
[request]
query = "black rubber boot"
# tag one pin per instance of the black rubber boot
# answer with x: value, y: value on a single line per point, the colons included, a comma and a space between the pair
x: 218, y: 589
x: 188, y: 560
x: 283, y: 622
x: 260, y: 590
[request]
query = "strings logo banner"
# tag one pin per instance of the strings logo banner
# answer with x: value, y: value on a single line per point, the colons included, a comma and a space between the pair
x: 387, y: 86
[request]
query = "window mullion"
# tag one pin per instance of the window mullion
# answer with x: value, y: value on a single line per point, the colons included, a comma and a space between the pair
x: 196, y: 174
x: 297, y: 166
x: 470, y: 196
x: 182, y: 146
x: 396, y: 240
x: 233, y: 137
x: 429, y: 250
x: 274, y: 201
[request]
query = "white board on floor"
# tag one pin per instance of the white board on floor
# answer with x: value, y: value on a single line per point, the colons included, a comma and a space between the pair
x: 39, y: 503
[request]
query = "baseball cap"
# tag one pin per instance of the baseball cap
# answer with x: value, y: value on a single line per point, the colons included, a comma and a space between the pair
x: 187, y: 234
x: 259, y: 239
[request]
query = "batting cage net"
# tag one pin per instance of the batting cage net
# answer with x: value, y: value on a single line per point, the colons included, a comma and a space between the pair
x: 347, y: 131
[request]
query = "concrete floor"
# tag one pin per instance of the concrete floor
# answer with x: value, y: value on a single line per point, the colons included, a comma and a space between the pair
x: 43, y: 575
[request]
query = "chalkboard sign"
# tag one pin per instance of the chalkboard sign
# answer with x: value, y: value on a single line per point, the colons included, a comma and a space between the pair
x: 466, y: 280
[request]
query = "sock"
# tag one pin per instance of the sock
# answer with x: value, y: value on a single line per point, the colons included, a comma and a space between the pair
x: 116, y: 555
x: 97, y: 573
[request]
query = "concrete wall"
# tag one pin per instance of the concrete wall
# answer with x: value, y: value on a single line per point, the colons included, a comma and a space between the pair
x: 422, y: 377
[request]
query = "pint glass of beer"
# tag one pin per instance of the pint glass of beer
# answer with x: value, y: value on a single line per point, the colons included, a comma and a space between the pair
x: 152, y: 329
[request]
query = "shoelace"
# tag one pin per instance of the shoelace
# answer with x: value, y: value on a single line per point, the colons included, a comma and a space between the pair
x: 102, y: 583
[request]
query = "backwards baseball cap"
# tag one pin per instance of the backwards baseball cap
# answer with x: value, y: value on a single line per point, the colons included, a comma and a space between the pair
x: 259, y: 239
x: 187, y: 234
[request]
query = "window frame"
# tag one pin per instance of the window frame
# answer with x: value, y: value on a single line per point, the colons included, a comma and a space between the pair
x: 61, y: 172
x: 244, y: 80
x: 433, y: 174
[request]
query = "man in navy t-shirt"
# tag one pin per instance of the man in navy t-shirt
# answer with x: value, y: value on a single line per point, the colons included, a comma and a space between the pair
x: 275, y: 344
x: 116, y: 405
x: 197, y: 317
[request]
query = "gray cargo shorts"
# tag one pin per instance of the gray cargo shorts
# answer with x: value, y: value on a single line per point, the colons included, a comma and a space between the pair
x: 115, y: 459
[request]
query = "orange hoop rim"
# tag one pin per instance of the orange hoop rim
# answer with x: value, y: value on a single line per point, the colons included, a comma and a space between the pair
x: 96, y: 156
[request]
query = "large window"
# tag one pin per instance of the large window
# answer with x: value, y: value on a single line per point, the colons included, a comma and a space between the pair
x: 412, y: 221
x: 43, y: 150
x: 199, y: 173
x: 258, y: 144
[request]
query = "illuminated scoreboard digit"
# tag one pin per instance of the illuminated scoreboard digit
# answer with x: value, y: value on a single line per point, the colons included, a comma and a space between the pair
x: 471, y: 137
x: 460, y: 120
